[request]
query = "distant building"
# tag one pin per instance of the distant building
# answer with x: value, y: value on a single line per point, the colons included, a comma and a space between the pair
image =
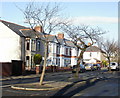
x: 93, y: 55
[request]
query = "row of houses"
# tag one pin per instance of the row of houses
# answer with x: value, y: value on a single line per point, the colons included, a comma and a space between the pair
x: 21, y: 44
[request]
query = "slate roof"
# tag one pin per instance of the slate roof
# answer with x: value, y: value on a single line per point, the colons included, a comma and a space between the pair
x: 27, y: 32
x: 51, y: 38
x: 22, y: 30
x: 31, y: 34
x: 60, y: 41
x: 14, y: 27
x: 69, y: 43
x: 93, y: 49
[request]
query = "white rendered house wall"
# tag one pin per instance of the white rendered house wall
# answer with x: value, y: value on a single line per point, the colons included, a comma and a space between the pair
x: 92, y: 55
x: 10, y: 48
x: 74, y: 54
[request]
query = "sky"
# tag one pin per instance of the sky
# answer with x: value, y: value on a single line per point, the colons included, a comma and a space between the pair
x: 101, y: 14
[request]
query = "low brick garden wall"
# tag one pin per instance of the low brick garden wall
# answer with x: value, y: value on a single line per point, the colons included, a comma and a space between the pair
x: 57, y: 69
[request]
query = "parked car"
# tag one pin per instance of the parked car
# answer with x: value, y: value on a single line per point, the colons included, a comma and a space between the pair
x: 81, y: 68
x: 97, y: 66
x: 89, y: 66
x: 114, y: 66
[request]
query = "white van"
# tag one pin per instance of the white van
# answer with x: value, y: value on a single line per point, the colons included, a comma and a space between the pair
x: 114, y: 66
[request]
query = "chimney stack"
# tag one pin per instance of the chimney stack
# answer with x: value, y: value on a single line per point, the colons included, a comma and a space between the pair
x: 38, y: 28
x: 89, y: 44
x: 61, y: 35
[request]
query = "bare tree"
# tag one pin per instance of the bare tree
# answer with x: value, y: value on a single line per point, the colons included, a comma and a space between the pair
x: 80, y: 35
x: 118, y: 56
x: 48, y: 18
x: 109, y: 48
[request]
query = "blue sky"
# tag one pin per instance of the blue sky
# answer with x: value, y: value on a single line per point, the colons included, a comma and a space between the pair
x: 101, y: 14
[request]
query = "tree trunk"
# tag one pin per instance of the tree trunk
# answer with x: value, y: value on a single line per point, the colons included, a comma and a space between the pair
x: 44, y: 65
x: 80, y: 57
x: 109, y: 63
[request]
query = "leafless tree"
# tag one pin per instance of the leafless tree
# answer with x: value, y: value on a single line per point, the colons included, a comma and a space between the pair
x: 47, y: 17
x: 80, y: 35
x: 109, y: 48
x: 118, y: 54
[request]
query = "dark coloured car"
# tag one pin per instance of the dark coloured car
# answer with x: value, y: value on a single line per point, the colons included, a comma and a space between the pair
x: 97, y: 66
x: 81, y: 68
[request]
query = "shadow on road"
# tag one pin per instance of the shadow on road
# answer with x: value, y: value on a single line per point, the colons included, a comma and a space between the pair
x: 65, y: 91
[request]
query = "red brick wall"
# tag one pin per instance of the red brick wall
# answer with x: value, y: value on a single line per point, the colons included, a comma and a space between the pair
x: 6, y: 69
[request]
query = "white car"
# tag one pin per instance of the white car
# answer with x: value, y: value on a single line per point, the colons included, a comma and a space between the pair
x: 114, y: 66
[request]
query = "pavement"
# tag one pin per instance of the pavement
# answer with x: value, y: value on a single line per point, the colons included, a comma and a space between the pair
x: 19, y: 77
x: 53, y: 85
x: 27, y: 76
x: 33, y: 75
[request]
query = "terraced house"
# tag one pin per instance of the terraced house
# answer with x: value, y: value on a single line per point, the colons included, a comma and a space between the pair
x: 61, y: 52
x: 19, y: 44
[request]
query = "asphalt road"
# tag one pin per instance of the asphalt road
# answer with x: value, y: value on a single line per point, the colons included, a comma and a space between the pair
x: 107, y: 85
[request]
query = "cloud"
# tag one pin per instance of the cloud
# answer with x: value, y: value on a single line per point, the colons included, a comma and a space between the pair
x: 94, y: 20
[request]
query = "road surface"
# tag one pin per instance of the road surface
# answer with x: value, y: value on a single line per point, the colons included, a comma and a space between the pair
x: 107, y: 85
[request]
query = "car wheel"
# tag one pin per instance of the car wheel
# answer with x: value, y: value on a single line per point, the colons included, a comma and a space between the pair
x: 117, y: 69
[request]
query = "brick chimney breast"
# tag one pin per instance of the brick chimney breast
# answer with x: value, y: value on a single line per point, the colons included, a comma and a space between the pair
x: 61, y: 35
x: 38, y: 28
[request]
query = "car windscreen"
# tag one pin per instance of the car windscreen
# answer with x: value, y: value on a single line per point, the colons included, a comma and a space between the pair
x: 113, y: 64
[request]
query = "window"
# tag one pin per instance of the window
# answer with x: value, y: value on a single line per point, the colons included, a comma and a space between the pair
x: 54, y: 61
x: 90, y: 54
x: 66, y: 51
x: 27, y: 61
x: 58, y: 61
x: 50, y: 48
x: 54, y: 46
x: 28, y: 45
x: 32, y: 62
x: 27, y: 57
x: 38, y: 46
x: 65, y: 62
x: 70, y: 51
x: 33, y: 45
x: 58, y: 50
